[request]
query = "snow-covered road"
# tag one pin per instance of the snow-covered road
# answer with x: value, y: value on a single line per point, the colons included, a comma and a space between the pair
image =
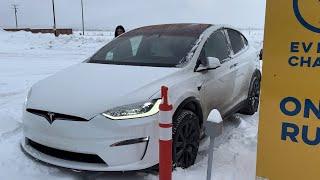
x: 26, y: 58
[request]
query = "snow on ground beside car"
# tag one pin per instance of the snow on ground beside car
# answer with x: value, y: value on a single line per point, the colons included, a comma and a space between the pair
x: 26, y: 58
x: 254, y: 36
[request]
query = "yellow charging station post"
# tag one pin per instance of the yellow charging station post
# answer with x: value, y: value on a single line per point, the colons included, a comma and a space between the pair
x: 289, y: 126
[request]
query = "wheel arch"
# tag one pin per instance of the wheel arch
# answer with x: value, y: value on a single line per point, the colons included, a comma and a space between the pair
x: 258, y: 73
x: 192, y: 104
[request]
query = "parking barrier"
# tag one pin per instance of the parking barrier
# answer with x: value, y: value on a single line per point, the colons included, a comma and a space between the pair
x: 165, y: 136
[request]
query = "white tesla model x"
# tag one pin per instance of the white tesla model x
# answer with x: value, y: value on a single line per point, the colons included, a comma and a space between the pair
x: 101, y: 115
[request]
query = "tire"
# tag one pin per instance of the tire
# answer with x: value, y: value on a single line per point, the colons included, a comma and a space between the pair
x: 186, y: 138
x: 252, y: 102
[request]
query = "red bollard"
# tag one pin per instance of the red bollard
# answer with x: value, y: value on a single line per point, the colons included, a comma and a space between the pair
x: 165, y: 137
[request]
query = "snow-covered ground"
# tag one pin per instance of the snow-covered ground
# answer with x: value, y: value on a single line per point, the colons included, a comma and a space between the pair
x: 26, y: 58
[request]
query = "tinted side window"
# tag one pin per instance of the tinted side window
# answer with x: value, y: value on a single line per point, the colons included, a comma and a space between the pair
x: 245, y: 41
x: 217, y: 46
x: 236, y: 40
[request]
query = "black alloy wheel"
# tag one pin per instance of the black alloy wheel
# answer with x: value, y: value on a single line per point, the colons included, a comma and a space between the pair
x: 186, y: 138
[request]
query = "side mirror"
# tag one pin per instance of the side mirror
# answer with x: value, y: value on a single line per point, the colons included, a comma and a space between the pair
x: 211, y: 63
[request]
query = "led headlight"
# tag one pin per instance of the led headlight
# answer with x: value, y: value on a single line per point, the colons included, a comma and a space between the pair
x: 137, y: 110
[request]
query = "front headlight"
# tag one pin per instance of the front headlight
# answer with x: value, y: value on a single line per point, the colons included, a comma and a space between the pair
x: 137, y: 110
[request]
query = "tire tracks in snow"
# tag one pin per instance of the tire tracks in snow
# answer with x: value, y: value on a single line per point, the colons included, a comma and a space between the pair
x: 9, y: 134
x: 6, y: 94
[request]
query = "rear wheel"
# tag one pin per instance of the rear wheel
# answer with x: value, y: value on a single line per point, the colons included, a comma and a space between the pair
x: 186, y: 138
x: 253, y: 100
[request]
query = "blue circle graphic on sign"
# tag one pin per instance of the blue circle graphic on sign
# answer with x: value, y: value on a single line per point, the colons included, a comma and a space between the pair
x: 302, y: 20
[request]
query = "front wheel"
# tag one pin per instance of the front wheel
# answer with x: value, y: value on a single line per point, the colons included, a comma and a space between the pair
x: 186, y: 139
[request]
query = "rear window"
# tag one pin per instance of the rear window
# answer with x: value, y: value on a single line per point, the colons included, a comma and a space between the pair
x: 236, y: 40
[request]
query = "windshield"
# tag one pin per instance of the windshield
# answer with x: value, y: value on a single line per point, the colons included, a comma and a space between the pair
x: 154, y: 48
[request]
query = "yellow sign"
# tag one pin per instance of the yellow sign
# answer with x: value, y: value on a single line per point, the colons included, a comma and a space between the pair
x: 289, y: 126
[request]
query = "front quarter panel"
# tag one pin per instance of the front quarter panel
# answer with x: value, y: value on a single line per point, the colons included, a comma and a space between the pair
x: 186, y: 85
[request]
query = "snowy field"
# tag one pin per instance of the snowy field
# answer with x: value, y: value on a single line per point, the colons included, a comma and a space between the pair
x: 26, y: 58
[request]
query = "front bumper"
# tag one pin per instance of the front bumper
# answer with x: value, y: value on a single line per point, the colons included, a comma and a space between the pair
x: 93, y: 138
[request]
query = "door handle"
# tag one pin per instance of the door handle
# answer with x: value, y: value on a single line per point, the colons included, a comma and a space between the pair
x: 233, y: 65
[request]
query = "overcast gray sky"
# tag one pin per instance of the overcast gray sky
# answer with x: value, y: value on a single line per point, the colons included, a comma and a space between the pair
x: 106, y: 14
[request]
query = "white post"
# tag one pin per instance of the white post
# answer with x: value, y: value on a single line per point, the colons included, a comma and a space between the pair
x: 213, y: 129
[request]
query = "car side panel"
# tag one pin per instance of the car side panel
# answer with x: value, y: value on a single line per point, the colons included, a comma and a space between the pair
x: 243, y: 75
x: 218, y: 87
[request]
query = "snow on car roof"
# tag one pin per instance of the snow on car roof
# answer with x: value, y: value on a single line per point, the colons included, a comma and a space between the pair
x: 184, y: 29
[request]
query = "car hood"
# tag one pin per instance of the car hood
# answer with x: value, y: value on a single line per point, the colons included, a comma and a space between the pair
x: 86, y: 89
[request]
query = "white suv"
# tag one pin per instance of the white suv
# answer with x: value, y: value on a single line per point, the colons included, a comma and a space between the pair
x: 102, y: 114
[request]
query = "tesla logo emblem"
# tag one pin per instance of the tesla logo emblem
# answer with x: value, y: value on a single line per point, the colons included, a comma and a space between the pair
x: 50, y: 117
x: 312, y: 26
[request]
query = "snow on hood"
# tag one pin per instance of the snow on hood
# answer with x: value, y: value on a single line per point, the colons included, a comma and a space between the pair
x: 87, y: 89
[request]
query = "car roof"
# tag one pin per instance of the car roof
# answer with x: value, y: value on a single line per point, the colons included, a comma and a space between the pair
x: 187, y: 29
